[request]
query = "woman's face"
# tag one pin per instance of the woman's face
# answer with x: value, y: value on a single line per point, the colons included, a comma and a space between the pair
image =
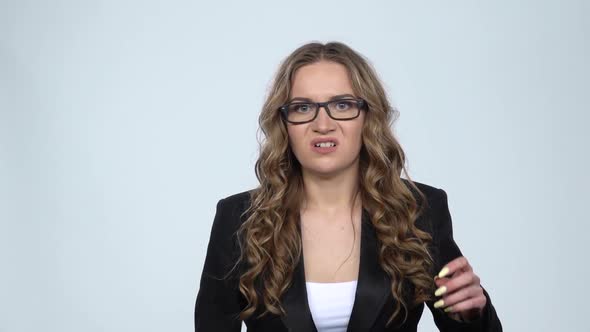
x: 320, y: 82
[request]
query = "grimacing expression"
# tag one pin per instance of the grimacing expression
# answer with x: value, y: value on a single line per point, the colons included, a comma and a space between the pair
x: 320, y: 82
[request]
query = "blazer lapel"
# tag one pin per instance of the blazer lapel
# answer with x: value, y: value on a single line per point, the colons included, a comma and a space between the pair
x: 373, y: 284
x: 298, y: 316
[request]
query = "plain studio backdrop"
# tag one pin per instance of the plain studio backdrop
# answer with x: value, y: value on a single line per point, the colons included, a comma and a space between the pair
x: 122, y: 123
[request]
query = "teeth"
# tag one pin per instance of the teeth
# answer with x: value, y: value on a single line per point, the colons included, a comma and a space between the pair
x: 325, y: 144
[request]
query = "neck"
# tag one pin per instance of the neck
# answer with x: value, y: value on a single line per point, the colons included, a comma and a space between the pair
x: 331, y: 193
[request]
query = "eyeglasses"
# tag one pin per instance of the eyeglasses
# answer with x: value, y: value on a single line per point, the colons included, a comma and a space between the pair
x: 339, y: 109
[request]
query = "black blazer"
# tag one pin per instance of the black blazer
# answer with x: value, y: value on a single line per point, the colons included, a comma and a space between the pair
x: 219, y: 301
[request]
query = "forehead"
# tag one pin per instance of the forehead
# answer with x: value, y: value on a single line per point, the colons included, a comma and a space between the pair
x: 321, y: 80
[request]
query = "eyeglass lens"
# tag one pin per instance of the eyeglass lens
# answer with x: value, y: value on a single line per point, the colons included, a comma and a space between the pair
x: 337, y: 109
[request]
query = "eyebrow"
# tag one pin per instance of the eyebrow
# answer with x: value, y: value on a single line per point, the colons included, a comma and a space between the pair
x: 331, y: 98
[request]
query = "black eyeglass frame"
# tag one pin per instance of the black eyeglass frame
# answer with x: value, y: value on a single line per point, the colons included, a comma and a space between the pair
x: 361, y: 105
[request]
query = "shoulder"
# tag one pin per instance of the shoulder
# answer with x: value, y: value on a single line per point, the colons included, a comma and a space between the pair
x: 232, y: 207
x: 435, y: 215
x: 230, y: 210
x: 227, y: 221
x: 237, y: 202
x: 432, y: 194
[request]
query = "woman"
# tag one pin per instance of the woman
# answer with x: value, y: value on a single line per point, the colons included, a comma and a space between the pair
x: 334, y: 239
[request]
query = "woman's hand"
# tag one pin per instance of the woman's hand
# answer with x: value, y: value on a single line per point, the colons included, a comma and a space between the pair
x: 460, y: 290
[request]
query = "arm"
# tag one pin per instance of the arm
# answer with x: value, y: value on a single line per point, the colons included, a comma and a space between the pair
x: 217, y: 305
x: 448, y: 251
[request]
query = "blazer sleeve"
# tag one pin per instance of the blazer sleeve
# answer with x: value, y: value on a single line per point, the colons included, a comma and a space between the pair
x: 218, y: 299
x: 448, y: 250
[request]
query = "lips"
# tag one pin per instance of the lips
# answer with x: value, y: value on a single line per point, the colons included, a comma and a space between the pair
x: 324, y: 142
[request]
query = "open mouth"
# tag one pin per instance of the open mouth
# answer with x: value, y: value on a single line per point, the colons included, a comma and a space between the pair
x: 325, y: 145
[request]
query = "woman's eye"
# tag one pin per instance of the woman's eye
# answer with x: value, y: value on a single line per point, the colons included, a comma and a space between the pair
x: 343, y: 105
x: 302, y: 108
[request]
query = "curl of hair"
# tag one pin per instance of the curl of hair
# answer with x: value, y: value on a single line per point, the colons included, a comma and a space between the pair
x: 270, y: 237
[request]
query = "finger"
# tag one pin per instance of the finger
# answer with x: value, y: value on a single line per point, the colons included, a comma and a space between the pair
x: 464, y: 269
x: 460, y: 272
x: 462, y: 280
x: 440, y: 281
x: 455, y: 297
x: 468, y: 304
x: 461, y: 295
x: 454, y: 266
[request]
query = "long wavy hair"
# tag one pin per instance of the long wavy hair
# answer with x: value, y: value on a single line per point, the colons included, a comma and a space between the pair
x: 270, y: 238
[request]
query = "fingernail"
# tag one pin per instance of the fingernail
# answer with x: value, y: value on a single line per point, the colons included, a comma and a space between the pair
x: 440, y: 291
x: 443, y: 272
x: 435, y: 278
x: 448, y: 309
x: 439, y: 303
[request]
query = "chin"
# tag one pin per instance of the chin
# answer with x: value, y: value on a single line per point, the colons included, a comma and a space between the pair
x: 326, y: 169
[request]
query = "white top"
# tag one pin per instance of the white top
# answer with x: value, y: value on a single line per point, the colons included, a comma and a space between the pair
x: 331, y: 304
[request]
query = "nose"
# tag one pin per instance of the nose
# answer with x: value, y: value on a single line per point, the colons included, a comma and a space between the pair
x: 323, y: 123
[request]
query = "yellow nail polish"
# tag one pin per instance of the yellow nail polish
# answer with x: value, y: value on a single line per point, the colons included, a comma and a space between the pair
x: 443, y: 272
x: 440, y: 291
x: 449, y: 309
x: 439, y: 303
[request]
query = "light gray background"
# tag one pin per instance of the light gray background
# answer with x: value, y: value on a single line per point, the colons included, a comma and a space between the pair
x: 122, y: 123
